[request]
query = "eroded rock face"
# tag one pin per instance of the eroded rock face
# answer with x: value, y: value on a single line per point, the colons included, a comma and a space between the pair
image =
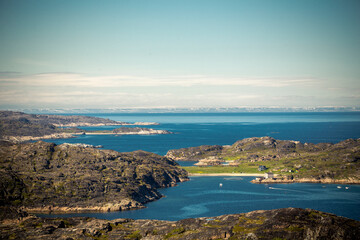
x: 47, y: 177
x: 288, y: 223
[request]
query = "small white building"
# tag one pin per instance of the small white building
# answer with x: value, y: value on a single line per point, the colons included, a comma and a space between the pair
x: 269, y: 175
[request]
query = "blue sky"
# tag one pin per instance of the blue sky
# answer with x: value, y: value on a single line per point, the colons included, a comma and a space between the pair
x: 188, y: 53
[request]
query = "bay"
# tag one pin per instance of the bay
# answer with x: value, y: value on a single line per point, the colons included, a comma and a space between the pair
x: 201, y: 196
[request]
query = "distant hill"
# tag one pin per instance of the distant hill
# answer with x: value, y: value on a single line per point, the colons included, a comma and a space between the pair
x: 58, y: 120
x: 18, y: 126
x: 290, y: 160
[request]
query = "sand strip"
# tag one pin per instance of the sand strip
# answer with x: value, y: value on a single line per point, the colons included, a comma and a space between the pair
x: 226, y: 174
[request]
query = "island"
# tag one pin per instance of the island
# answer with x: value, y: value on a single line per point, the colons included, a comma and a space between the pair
x: 277, y: 161
x: 127, y: 131
x: 21, y: 127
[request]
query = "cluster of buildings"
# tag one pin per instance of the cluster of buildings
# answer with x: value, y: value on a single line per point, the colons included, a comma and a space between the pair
x: 267, y: 175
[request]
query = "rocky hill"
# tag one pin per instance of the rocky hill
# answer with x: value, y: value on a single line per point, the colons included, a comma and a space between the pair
x: 18, y: 126
x: 59, y: 120
x: 323, y: 162
x: 21, y: 127
x: 67, y: 178
x: 288, y: 223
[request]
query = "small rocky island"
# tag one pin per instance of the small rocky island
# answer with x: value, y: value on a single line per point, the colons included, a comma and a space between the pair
x: 21, y: 127
x: 290, y: 161
x: 128, y: 131
x: 45, y: 177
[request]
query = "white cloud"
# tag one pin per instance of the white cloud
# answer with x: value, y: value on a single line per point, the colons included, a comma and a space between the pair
x: 79, y: 80
x: 81, y: 91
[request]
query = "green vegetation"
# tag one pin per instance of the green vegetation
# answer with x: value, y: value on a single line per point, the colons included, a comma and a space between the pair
x: 246, y: 220
x: 174, y: 232
x: 294, y: 228
x: 134, y: 235
x: 242, y: 229
x: 287, y: 159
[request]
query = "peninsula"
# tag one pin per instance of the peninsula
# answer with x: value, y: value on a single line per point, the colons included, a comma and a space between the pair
x: 21, y: 127
x: 45, y: 177
x: 286, y: 161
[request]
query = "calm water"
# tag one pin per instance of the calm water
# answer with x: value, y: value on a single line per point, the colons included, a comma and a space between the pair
x: 225, y: 129
x: 202, y: 196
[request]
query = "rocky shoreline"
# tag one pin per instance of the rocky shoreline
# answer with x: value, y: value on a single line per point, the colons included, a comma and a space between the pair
x: 128, y: 131
x: 121, y: 205
x: 20, y: 139
x: 287, y: 223
x: 307, y: 180
x: 115, y: 123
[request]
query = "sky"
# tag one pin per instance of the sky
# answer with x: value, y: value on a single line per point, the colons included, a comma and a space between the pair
x: 84, y: 54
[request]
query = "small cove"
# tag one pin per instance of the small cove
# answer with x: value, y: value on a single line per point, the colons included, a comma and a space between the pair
x: 203, y: 197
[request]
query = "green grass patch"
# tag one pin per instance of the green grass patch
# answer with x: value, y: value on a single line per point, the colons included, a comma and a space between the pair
x: 294, y: 229
x: 134, y: 236
x: 174, y: 232
x: 242, y: 230
x: 222, y: 169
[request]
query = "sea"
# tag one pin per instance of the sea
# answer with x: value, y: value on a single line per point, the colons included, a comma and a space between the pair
x: 203, y: 196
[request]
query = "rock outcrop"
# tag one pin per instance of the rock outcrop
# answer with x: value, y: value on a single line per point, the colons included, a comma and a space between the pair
x: 43, y: 177
x: 195, y: 153
x: 288, y: 223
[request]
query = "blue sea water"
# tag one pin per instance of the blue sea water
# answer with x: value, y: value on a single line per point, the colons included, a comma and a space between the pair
x: 201, y: 196
x: 192, y: 129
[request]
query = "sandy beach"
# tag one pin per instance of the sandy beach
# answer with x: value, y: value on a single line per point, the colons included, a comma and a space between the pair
x: 226, y: 174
